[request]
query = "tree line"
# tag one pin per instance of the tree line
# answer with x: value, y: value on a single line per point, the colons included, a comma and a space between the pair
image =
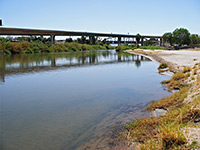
x: 40, y: 44
x: 181, y: 37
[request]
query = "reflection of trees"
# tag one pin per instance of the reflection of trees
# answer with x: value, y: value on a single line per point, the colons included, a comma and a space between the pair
x: 53, y: 62
x: 41, y: 62
x: 105, y: 54
x: 138, y: 62
x: 2, y: 68
x: 119, y: 58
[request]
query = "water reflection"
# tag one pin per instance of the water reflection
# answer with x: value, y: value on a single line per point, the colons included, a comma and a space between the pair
x: 19, y: 64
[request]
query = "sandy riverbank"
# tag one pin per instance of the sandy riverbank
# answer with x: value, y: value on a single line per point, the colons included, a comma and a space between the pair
x: 174, y: 58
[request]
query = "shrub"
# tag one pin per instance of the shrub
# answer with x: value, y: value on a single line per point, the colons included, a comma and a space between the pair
x: 186, y: 69
x: 162, y: 66
x: 84, y: 47
x: 178, y: 76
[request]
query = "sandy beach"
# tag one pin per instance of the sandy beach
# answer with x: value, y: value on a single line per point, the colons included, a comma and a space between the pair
x: 174, y: 58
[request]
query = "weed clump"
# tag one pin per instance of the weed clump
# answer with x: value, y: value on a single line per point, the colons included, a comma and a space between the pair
x: 173, y: 101
x: 186, y: 69
x: 177, y: 81
x: 162, y: 66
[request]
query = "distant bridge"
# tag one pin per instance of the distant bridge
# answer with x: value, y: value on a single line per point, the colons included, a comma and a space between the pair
x: 53, y: 33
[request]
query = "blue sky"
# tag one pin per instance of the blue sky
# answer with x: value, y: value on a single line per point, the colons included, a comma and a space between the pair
x: 147, y: 17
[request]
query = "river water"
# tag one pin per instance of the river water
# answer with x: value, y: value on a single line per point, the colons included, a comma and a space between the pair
x: 60, y: 101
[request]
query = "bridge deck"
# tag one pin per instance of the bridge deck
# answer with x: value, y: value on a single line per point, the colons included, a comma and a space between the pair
x: 23, y: 31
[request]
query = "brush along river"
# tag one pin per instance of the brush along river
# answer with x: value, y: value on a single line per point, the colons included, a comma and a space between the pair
x: 64, y: 100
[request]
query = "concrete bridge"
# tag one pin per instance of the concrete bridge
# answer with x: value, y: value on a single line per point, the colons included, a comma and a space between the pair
x: 53, y: 33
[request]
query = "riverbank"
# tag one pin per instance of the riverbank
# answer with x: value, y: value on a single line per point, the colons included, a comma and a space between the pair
x: 176, y: 60
x: 179, y: 127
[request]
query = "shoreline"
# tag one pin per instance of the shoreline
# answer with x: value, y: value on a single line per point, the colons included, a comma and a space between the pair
x: 190, y: 88
x: 122, y: 138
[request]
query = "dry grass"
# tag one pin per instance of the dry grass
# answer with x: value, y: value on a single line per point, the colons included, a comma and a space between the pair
x: 186, y: 69
x: 178, y: 80
x: 164, y: 132
x: 195, y: 71
x: 171, y: 101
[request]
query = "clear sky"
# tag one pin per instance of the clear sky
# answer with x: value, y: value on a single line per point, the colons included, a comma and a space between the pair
x: 147, y: 17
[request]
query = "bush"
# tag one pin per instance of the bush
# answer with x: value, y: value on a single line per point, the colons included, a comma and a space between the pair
x: 38, y: 46
x: 84, y: 47
x: 162, y: 66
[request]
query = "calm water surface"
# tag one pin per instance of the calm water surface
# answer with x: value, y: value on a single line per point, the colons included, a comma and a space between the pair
x: 52, y: 101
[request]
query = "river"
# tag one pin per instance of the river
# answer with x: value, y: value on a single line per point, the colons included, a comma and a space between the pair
x: 61, y: 101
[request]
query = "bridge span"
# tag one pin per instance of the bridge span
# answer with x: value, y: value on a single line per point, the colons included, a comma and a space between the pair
x: 53, y: 33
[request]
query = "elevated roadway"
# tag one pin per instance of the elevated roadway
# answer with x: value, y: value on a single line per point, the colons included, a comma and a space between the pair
x: 53, y: 33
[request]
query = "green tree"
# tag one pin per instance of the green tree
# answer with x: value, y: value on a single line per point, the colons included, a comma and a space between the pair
x: 181, y: 36
x: 69, y: 40
x: 168, y: 37
x: 83, y: 40
x: 148, y: 42
x: 138, y: 37
x: 195, y: 39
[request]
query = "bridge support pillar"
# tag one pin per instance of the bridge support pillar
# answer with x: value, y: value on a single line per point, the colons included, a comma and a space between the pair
x: 142, y: 42
x: 119, y: 40
x: 52, y: 39
x: 161, y: 42
x: 90, y: 40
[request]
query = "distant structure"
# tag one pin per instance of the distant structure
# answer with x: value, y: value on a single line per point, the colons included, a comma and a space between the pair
x: 0, y: 22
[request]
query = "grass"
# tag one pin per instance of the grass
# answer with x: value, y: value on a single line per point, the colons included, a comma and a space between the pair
x: 171, y: 101
x: 166, y: 131
x: 195, y: 71
x: 152, y: 47
x: 125, y: 47
x: 186, y: 69
x: 178, y: 80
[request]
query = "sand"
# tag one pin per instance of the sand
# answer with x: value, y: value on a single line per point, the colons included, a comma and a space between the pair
x: 174, y: 57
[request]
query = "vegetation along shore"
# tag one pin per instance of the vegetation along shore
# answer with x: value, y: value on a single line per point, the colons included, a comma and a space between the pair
x: 179, y: 127
x: 32, y: 45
